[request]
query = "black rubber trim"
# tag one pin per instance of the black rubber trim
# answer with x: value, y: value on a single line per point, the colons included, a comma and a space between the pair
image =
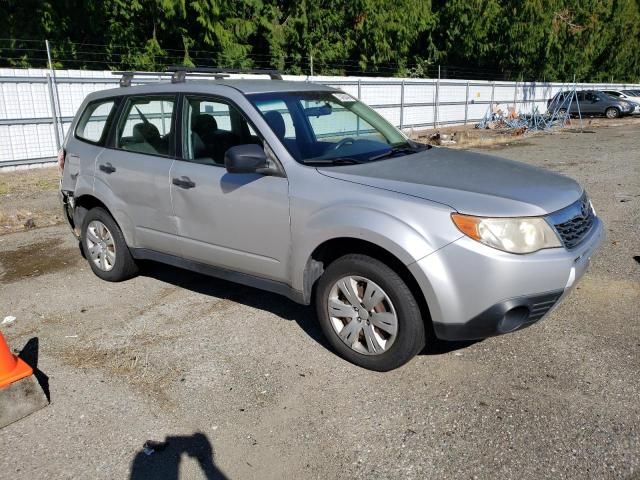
x: 525, y: 311
x: 222, y: 273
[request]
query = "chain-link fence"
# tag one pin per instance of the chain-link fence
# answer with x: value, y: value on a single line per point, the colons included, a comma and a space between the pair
x: 37, y: 105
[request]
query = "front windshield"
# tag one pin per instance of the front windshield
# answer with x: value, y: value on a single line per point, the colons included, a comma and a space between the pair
x: 329, y: 127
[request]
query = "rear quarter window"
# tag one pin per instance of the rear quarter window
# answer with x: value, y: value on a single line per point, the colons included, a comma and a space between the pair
x: 92, y: 125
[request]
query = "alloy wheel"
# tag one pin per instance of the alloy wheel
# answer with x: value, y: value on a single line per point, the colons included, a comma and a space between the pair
x: 362, y: 315
x: 100, y: 245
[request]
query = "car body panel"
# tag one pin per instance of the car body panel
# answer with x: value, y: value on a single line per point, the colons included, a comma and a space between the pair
x: 235, y: 221
x: 483, y: 276
x: 334, y: 208
x: 471, y: 183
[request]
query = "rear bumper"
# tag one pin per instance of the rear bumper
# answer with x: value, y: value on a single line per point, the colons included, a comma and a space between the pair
x: 66, y: 202
x: 474, y: 291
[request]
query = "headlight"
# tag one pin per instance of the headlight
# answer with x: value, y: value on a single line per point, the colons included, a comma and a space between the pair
x: 514, y: 235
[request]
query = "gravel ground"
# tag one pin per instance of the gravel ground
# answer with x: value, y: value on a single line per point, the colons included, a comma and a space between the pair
x: 242, y: 385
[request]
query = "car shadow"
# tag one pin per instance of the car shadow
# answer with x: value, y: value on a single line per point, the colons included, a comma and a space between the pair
x: 161, y: 460
x: 442, y: 347
x: 279, y: 305
x: 304, y: 316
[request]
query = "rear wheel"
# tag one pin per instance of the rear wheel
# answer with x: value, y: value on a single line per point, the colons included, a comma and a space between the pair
x: 612, y: 112
x: 105, y: 248
x: 368, y: 314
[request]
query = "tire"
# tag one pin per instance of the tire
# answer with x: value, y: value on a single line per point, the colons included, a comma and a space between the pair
x: 562, y: 111
x: 612, y: 112
x: 105, y: 248
x: 366, y: 344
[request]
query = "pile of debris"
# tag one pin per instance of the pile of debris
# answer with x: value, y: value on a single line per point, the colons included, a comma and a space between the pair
x: 520, y: 123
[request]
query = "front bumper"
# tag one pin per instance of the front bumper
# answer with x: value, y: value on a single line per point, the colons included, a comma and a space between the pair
x: 474, y: 291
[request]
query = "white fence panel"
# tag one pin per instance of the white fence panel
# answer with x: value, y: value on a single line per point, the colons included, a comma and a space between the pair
x: 27, y: 133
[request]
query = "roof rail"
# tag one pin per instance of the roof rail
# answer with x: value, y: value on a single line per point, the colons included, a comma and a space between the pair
x: 181, y: 71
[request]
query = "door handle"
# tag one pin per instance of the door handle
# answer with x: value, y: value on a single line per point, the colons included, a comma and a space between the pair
x: 183, y: 182
x: 107, y: 168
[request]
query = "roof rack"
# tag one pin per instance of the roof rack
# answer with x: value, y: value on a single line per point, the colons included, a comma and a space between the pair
x: 179, y: 72
x: 127, y: 76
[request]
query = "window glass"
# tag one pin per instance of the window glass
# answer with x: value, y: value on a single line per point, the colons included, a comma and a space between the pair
x: 146, y: 125
x: 272, y: 111
x: 331, y: 121
x: 93, y: 121
x: 329, y: 127
x: 212, y: 127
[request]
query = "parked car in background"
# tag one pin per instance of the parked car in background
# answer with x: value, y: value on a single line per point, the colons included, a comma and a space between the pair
x: 630, y: 96
x: 589, y: 103
x: 302, y: 190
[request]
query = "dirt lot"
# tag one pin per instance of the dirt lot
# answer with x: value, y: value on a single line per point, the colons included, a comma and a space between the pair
x: 243, y: 385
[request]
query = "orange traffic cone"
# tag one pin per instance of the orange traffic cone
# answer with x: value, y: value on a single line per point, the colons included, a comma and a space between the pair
x: 12, y: 368
x: 20, y: 392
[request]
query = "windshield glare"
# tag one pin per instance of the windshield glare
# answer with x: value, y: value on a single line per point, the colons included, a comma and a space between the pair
x: 326, y: 126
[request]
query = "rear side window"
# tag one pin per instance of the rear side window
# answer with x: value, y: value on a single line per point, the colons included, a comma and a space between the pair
x: 93, y: 122
x: 146, y: 125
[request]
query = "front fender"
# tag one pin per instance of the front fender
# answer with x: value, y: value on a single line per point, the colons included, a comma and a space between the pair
x: 358, y: 222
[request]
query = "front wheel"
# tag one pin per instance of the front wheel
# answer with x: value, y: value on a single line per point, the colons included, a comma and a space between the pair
x: 105, y: 248
x: 368, y: 313
x: 612, y: 112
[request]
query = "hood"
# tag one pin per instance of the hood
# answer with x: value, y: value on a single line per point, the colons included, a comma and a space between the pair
x: 468, y: 182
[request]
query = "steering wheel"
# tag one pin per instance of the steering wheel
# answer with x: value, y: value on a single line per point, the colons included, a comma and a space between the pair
x: 343, y: 142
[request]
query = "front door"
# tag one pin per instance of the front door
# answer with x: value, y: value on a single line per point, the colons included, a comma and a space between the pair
x: 238, y: 222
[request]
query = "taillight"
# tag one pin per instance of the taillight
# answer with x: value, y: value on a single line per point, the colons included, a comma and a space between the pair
x: 61, y: 155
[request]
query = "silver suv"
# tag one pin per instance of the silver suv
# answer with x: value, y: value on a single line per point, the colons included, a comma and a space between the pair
x: 302, y: 190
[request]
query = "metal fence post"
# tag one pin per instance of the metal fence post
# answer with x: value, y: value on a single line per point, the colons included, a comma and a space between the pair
x: 493, y: 92
x: 57, y: 111
x: 358, y: 116
x: 438, y: 99
x: 515, y: 96
x: 466, y: 104
x: 401, y: 104
x: 54, y: 117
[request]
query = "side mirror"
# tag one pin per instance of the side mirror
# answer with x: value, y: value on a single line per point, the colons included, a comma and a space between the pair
x: 248, y: 158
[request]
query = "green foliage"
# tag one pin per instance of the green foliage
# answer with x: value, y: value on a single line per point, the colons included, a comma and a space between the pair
x: 595, y: 40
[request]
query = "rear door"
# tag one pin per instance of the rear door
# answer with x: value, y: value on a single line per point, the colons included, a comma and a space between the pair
x: 238, y: 222
x: 87, y: 141
x: 134, y: 171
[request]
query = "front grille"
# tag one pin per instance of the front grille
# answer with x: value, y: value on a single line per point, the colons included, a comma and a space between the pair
x: 574, y: 222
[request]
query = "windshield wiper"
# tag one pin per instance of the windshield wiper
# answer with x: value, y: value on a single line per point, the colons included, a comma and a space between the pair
x: 403, y: 148
x: 331, y: 161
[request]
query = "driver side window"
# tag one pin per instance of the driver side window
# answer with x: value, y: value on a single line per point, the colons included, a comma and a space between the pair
x: 210, y: 128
